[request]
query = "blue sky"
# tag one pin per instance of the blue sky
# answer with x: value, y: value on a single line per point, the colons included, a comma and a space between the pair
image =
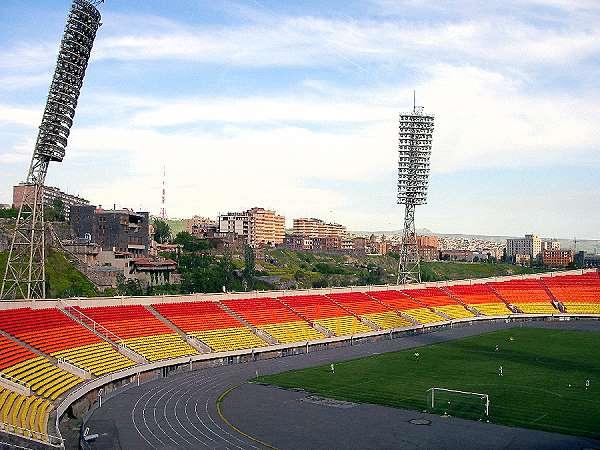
x: 293, y: 106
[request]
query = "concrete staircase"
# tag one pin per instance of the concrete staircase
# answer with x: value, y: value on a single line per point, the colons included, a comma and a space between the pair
x: 457, y: 299
x: 257, y: 331
x: 191, y: 340
x: 400, y: 313
x: 320, y: 328
x: 361, y: 319
x: 62, y: 363
x: 102, y: 332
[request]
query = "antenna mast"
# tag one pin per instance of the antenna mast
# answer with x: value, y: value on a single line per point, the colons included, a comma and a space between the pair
x: 163, y: 211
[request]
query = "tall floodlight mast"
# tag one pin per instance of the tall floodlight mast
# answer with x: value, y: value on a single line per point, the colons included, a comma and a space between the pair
x: 25, y: 275
x: 414, y: 151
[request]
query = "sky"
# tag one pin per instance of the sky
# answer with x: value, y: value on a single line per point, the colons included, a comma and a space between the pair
x: 294, y: 106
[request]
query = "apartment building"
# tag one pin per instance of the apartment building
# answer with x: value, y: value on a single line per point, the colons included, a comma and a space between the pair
x: 121, y: 230
x: 260, y: 226
x: 50, y: 194
x: 199, y: 226
x: 318, y: 228
x: 557, y: 258
x: 530, y: 245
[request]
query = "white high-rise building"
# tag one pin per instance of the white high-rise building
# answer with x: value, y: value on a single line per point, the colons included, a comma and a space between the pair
x: 529, y: 245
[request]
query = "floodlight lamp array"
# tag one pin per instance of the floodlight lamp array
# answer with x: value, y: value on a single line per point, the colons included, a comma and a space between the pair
x: 82, y: 24
x: 414, y: 151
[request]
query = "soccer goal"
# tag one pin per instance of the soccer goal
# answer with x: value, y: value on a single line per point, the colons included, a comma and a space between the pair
x: 458, y: 403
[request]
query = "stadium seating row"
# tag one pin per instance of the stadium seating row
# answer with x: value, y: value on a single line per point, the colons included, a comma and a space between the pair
x: 229, y: 339
x: 26, y: 412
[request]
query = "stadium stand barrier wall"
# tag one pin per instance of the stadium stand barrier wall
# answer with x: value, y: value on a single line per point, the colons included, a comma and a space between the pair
x: 82, y: 397
x: 126, y: 300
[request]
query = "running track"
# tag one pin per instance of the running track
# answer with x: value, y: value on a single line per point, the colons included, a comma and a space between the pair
x: 179, y: 412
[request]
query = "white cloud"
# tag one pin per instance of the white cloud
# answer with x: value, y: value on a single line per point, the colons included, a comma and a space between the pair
x: 315, y: 41
x: 29, y: 117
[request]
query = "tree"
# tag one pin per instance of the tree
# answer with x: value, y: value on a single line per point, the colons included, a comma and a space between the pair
x: 56, y: 211
x: 162, y: 231
x: 8, y: 213
x: 249, y: 266
x: 191, y: 243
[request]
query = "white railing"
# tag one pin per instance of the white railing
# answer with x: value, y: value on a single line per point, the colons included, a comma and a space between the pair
x: 15, y: 384
x: 26, y: 433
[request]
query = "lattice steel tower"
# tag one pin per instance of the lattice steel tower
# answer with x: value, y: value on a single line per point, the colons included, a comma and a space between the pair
x: 414, y: 150
x: 25, y: 275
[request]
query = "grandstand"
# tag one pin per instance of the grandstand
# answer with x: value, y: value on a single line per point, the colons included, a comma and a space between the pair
x: 481, y: 298
x: 408, y: 307
x: 440, y: 302
x: 326, y: 313
x: 54, y: 333
x: 141, y: 331
x: 361, y: 304
x: 273, y: 317
x: 211, y: 324
x: 528, y: 296
x: 50, y: 351
x: 580, y: 294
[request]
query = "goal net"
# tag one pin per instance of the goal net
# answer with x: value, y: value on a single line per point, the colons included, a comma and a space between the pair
x: 452, y: 402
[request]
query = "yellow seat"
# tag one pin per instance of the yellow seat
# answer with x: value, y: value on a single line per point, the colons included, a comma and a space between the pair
x: 288, y: 332
x: 582, y: 308
x: 537, y: 308
x: 161, y: 346
x: 229, y: 339
x: 98, y: 359
x: 492, y: 309
x: 45, y: 379
x: 424, y: 315
x: 344, y: 325
x: 388, y: 320
x: 455, y: 311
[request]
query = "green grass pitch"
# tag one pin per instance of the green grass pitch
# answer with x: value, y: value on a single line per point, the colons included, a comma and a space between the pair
x: 543, y: 384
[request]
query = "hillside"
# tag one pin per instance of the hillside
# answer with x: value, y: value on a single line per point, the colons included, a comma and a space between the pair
x: 63, y: 279
x: 294, y: 269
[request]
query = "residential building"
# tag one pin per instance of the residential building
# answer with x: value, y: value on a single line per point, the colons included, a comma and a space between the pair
x: 260, y: 226
x: 237, y: 223
x: 266, y: 228
x: 428, y: 241
x: 587, y: 260
x: 50, y: 194
x: 318, y: 228
x: 428, y: 253
x: 557, y: 258
x: 550, y: 245
x: 120, y: 230
x: 152, y: 271
x: 200, y: 226
x: 457, y: 255
x: 529, y: 245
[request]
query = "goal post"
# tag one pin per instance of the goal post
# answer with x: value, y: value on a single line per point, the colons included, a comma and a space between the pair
x: 458, y: 403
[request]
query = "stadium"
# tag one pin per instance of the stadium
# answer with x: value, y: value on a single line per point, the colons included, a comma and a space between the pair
x: 197, y: 371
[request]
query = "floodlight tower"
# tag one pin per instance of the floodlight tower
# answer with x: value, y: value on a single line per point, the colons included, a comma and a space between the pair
x: 414, y: 151
x: 25, y: 275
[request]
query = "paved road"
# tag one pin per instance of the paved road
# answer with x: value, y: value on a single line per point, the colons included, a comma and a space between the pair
x: 179, y: 411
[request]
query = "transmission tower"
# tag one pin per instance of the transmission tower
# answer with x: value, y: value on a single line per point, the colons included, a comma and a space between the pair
x: 414, y: 151
x: 163, y: 211
x: 25, y: 275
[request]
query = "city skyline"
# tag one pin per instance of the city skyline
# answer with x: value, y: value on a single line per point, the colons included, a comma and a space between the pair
x: 295, y: 108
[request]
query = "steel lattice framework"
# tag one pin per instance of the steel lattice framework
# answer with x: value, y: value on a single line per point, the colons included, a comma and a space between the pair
x: 414, y: 150
x: 25, y: 275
